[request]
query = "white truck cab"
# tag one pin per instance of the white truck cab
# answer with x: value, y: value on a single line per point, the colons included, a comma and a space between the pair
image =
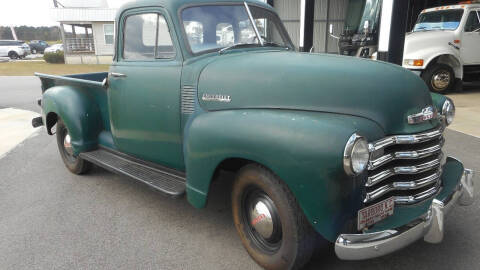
x: 444, y: 46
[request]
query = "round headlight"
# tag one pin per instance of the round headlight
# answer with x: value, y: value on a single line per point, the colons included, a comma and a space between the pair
x: 356, y: 155
x: 448, y: 111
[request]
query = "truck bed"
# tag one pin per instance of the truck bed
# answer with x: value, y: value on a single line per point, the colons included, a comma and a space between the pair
x: 90, y: 79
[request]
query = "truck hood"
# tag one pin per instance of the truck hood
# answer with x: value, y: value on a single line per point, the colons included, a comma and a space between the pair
x: 378, y: 91
x: 426, y: 43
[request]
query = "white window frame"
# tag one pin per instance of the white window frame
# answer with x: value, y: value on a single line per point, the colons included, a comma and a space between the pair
x: 105, y: 34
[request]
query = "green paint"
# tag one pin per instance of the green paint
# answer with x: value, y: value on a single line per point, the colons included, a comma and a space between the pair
x: 291, y: 112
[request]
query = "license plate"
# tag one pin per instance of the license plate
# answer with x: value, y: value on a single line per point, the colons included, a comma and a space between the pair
x: 375, y: 213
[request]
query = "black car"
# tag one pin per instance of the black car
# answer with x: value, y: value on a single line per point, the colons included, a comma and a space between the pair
x: 38, y: 46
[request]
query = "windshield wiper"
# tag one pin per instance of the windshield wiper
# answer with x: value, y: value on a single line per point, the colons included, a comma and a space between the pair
x: 274, y: 44
x: 238, y: 45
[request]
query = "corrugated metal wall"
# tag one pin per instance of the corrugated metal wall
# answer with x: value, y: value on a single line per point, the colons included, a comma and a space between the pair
x: 326, y: 12
x: 289, y: 12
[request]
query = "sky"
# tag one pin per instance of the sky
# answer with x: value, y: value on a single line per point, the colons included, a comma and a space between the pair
x: 33, y: 12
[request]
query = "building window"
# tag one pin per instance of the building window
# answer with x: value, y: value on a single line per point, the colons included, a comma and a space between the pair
x: 108, y: 31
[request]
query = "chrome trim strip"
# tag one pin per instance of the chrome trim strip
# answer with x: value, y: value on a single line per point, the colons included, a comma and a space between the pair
x: 419, y: 197
x: 408, y: 185
x: 417, y: 154
x: 379, y: 177
x: 406, y: 139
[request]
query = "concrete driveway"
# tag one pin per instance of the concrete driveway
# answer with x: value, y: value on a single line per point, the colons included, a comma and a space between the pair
x: 51, y: 219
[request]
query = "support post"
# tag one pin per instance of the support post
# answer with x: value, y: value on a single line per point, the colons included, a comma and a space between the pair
x: 393, y: 26
x: 306, y: 24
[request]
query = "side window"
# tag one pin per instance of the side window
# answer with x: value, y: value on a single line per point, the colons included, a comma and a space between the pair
x: 146, y: 37
x: 473, y: 22
x: 108, y: 31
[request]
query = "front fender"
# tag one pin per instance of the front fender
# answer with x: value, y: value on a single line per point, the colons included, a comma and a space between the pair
x: 78, y: 111
x: 305, y: 149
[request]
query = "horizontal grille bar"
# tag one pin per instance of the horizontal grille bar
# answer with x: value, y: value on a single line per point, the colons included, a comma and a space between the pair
x: 406, y: 139
x: 404, y: 185
x: 416, y: 154
x: 416, y: 198
x: 379, y: 177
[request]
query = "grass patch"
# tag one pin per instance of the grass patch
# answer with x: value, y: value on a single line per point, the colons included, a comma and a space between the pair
x: 21, y: 68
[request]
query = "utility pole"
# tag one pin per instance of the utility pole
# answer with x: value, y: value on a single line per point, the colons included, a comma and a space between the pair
x: 14, y: 35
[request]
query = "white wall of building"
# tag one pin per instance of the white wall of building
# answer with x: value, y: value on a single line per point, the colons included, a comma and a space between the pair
x: 101, y: 42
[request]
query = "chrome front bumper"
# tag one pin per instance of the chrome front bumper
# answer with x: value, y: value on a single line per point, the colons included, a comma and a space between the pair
x: 430, y: 227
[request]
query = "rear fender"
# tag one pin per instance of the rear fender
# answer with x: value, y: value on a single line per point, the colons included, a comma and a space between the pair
x: 305, y: 149
x: 79, y: 112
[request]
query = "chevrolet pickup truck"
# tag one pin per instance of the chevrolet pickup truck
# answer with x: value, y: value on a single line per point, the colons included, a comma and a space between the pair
x: 325, y: 149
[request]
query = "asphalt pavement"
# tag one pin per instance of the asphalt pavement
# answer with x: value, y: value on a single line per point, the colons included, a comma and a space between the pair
x: 51, y: 219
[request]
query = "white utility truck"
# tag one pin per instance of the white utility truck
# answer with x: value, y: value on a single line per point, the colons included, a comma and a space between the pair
x: 444, y: 46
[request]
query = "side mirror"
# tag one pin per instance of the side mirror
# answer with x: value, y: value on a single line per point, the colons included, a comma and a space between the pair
x: 331, y: 32
x: 366, y: 26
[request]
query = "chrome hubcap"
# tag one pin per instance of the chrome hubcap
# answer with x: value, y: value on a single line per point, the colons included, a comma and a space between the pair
x: 67, y: 144
x: 441, y: 80
x: 261, y: 219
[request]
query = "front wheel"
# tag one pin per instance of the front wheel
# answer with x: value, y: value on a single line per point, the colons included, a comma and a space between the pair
x: 13, y: 55
x: 270, y: 222
x: 74, y: 163
x: 440, y: 78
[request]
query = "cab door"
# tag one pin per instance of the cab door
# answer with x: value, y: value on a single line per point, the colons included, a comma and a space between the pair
x: 144, y: 88
x: 470, y: 49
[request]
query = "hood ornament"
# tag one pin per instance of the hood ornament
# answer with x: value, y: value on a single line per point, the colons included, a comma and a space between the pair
x: 427, y: 114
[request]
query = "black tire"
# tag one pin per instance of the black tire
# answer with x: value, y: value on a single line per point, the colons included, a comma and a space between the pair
x: 440, y: 78
x: 13, y: 55
x: 73, y: 163
x: 291, y: 241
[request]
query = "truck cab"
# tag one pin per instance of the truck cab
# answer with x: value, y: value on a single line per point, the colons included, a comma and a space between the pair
x: 200, y: 87
x: 359, y: 36
x: 443, y: 46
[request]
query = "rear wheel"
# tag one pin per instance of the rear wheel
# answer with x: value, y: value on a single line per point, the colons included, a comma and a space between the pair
x: 13, y: 55
x: 440, y: 78
x: 269, y: 221
x: 74, y: 163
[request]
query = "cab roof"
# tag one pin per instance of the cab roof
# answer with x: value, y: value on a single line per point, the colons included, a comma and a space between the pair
x: 459, y: 6
x: 174, y: 5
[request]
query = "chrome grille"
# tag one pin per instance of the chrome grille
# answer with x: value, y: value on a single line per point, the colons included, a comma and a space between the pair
x: 407, y: 167
x: 188, y: 99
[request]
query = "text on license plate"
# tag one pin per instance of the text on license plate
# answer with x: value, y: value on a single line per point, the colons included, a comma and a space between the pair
x: 375, y: 213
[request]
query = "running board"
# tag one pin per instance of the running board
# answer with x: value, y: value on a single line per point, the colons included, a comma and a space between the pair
x: 164, y: 180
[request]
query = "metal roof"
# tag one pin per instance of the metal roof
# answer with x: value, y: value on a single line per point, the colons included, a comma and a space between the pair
x: 84, y: 14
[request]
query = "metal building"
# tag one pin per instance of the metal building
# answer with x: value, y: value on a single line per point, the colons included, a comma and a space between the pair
x: 325, y: 12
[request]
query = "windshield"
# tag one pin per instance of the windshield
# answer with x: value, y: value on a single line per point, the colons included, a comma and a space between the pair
x: 214, y: 27
x: 439, y: 20
x: 360, y: 11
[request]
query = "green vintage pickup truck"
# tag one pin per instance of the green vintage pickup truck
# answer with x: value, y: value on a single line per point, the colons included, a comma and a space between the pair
x: 323, y: 147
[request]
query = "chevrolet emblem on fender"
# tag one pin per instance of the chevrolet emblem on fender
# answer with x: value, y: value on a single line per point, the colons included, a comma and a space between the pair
x: 219, y: 98
x: 428, y: 113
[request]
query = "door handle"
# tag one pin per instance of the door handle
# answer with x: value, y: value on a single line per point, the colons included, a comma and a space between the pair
x: 117, y: 75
